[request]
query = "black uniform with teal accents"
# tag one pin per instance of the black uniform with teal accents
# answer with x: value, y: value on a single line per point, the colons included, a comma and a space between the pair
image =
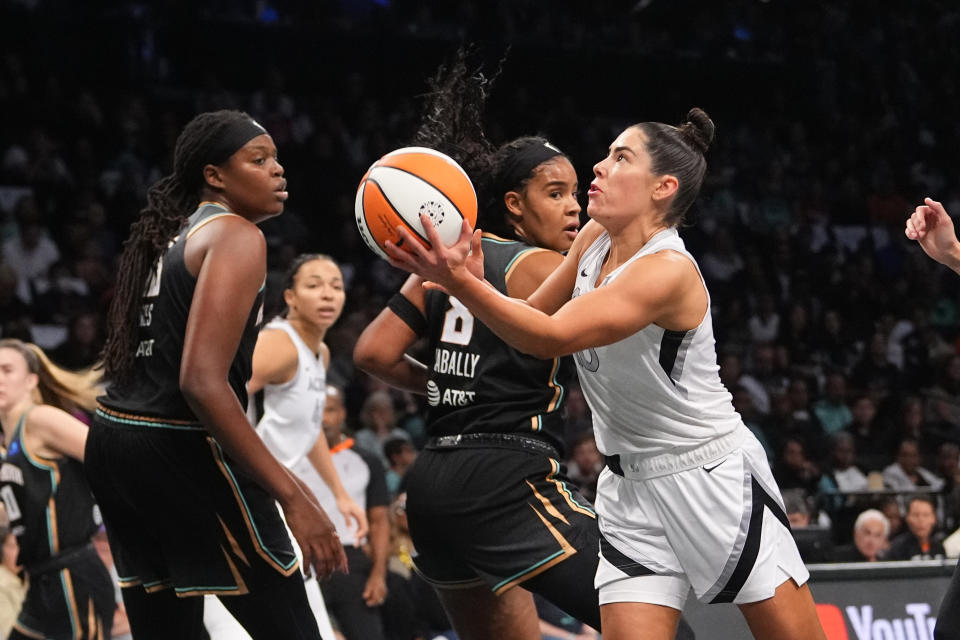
x: 479, y: 384
x: 52, y: 514
x: 179, y: 513
x: 487, y: 501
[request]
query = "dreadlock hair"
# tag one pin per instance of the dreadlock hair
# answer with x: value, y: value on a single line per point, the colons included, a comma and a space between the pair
x: 452, y: 120
x: 452, y: 123
x: 169, y: 201
x: 294, y: 269
x: 66, y: 390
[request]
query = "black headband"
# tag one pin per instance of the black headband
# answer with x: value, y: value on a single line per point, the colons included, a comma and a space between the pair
x: 518, y: 168
x: 234, y: 136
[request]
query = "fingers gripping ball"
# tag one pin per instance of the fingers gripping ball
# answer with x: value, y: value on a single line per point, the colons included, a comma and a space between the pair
x: 405, y: 183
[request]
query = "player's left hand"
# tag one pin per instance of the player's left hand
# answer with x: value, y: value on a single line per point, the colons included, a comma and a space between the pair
x: 353, y: 513
x: 375, y: 591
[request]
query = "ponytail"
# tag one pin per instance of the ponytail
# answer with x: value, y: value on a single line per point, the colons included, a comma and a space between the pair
x: 66, y: 390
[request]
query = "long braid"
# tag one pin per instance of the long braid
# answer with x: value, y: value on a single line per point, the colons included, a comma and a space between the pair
x: 169, y: 201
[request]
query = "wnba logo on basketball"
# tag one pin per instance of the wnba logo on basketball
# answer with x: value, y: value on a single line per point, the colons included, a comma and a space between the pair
x: 434, y: 211
x: 406, y: 183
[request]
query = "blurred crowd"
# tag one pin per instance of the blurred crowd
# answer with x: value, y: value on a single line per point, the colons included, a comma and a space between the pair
x: 837, y: 339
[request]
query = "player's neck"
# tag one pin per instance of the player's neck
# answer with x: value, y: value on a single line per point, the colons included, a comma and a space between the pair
x: 11, y: 417
x: 631, y: 238
x: 311, y: 334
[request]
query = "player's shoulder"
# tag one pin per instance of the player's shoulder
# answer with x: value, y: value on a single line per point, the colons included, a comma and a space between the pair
x: 585, y: 238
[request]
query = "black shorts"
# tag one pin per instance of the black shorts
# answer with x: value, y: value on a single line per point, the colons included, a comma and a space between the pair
x: 74, y: 602
x: 180, y: 515
x: 494, y: 516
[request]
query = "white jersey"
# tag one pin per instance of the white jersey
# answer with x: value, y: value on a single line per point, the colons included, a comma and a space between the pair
x: 657, y: 393
x: 293, y: 411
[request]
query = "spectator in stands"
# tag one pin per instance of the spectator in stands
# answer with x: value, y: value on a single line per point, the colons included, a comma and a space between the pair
x: 804, y: 423
x: 12, y: 307
x: 948, y: 469
x: 832, y: 410
x: 813, y: 539
x: 764, y: 324
x: 400, y: 454
x: 875, y: 375
x: 919, y: 541
x: 890, y: 507
x: 832, y: 342
x: 911, y: 423
x: 906, y: 473
x: 378, y: 419
x: 871, y: 532
x: 943, y: 404
x: 743, y: 404
x: 868, y: 433
x: 31, y: 252
x: 59, y: 295
x: 577, y: 416
x: 842, y: 474
x: 732, y: 376
x: 794, y: 470
x: 83, y: 343
x: 585, y: 464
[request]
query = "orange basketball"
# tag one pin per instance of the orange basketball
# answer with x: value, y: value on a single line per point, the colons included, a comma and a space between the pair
x: 405, y: 183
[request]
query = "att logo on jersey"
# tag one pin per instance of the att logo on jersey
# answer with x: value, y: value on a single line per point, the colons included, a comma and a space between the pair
x: 448, y: 397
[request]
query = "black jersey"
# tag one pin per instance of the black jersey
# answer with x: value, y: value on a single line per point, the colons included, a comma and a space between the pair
x: 48, y: 500
x: 478, y: 384
x: 150, y: 394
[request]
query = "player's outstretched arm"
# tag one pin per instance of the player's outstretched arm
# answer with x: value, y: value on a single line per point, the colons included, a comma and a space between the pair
x: 659, y: 287
x: 930, y: 225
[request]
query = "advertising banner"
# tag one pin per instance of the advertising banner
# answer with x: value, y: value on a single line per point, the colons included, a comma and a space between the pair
x: 856, y: 601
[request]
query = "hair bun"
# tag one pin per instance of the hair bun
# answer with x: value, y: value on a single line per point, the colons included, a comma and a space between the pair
x: 698, y: 130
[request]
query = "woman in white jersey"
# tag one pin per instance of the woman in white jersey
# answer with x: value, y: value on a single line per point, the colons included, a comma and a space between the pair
x: 687, y: 498
x: 289, y: 365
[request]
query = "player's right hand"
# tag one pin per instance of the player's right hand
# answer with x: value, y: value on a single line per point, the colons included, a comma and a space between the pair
x: 438, y: 265
x: 314, y: 532
x: 931, y: 226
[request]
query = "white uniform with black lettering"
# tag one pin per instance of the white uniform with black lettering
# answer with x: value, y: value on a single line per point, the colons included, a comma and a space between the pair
x: 697, y: 504
x: 291, y: 423
x: 293, y: 411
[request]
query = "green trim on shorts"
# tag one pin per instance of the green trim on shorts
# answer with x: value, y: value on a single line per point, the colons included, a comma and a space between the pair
x: 527, y: 570
x: 148, y: 423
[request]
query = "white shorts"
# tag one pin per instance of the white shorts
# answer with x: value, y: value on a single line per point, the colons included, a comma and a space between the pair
x: 719, y: 528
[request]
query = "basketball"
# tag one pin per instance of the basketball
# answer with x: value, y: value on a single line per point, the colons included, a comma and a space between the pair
x: 401, y: 185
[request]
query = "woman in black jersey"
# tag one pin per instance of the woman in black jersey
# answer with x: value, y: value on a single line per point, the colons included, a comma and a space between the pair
x: 186, y: 487
x: 488, y: 503
x: 70, y: 594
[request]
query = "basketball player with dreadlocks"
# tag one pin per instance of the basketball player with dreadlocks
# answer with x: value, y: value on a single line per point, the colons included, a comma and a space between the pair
x: 187, y: 489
